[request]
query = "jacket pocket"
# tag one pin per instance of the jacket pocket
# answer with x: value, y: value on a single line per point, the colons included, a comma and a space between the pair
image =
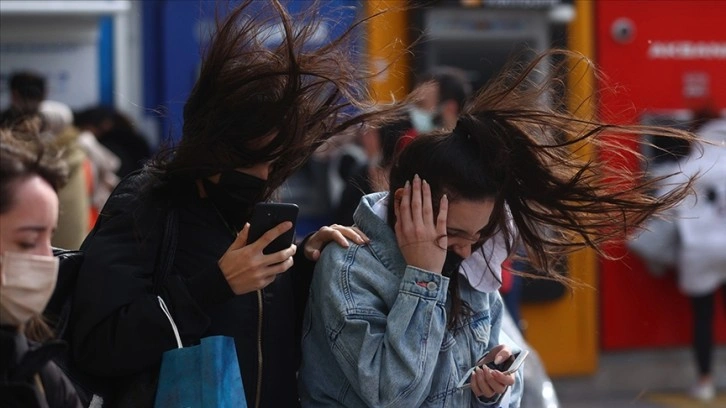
x: 481, y: 328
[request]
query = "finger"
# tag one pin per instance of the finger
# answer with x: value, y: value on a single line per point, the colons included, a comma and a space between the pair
x: 493, y: 383
x: 313, y: 256
x: 353, y: 234
x: 278, y: 268
x: 427, y: 209
x: 361, y: 234
x: 273, y: 233
x: 483, y: 385
x: 404, y: 207
x: 279, y: 256
x: 501, y: 355
x: 241, y: 239
x: 441, y: 218
x: 503, y: 379
x: 475, y: 387
x: 416, y: 200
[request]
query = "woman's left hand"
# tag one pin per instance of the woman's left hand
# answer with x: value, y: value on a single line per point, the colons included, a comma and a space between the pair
x: 486, y: 382
x: 338, y: 233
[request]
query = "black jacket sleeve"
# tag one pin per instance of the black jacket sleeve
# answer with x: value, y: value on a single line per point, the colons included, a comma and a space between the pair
x: 118, y: 326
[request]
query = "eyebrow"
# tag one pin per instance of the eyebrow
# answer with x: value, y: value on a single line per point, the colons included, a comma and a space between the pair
x: 32, y: 228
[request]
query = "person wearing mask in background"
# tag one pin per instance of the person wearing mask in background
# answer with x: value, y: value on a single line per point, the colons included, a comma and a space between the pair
x: 27, y: 91
x: 440, y: 95
x: 30, y: 176
x: 261, y: 106
x: 399, y: 321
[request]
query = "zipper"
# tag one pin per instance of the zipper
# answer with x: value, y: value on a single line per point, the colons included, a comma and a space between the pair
x: 259, y: 349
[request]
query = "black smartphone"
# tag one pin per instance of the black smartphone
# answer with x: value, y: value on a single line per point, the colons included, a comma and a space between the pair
x: 266, y: 216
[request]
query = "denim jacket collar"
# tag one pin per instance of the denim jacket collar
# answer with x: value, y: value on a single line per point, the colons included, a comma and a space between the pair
x: 372, y: 224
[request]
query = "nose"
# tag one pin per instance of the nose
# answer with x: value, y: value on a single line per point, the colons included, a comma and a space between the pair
x: 463, y: 250
x: 45, y: 248
x: 261, y: 170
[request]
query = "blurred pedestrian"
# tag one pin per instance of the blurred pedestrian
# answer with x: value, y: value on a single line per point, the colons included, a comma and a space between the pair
x: 30, y: 176
x: 74, y: 196
x: 440, y: 95
x: 262, y: 104
x: 27, y: 91
x: 701, y: 254
x: 118, y: 134
x: 398, y: 322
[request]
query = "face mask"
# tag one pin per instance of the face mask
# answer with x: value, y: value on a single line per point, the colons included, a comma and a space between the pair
x: 27, y: 285
x: 422, y: 121
x: 234, y: 195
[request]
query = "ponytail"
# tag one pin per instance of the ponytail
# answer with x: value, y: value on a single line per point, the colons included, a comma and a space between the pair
x: 515, y: 144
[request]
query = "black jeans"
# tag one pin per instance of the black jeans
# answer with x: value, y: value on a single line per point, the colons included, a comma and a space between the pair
x: 703, y: 313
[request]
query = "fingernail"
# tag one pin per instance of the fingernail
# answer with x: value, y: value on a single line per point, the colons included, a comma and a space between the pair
x: 407, y: 184
x: 425, y: 182
x: 415, y: 177
x: 498, y: 359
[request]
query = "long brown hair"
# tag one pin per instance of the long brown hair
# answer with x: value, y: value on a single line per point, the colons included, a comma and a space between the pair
x: 514, y: 143
x: 267, y: 92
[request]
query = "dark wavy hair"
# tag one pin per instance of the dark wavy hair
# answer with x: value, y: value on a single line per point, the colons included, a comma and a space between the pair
x: 267, y: 92
x: 515, y: 143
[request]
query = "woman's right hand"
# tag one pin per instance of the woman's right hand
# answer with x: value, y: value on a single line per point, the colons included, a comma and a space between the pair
x: 421, y: 238
x: 247, y: 269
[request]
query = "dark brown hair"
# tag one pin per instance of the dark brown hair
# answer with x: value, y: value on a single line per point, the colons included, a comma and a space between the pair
x: 516, y: 144
x: 267, y: 92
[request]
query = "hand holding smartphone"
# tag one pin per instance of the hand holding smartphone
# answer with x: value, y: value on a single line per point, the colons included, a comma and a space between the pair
x: 266, y: 216
x: 508, y: 366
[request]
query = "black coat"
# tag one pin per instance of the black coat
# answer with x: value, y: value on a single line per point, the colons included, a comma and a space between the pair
x: 22, y: 363
x: 119, y: 329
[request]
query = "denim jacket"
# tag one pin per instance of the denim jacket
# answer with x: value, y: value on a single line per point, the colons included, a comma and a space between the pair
x: 375, y: 330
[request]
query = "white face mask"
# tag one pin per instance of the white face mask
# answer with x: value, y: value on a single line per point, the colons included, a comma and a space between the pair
x: 422, y: 120
x: 26, y: 287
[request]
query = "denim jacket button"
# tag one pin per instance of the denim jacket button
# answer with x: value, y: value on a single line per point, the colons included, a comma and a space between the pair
x: 431, y: 286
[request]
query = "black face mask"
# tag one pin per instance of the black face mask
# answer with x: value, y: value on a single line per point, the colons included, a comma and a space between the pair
x: 452, y: 263
x: 234, y: 195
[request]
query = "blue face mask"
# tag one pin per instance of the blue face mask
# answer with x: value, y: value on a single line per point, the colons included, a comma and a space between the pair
x: 422, y: 121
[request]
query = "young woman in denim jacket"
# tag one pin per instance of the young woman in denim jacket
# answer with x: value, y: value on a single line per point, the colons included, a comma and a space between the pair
x: 392, y: 323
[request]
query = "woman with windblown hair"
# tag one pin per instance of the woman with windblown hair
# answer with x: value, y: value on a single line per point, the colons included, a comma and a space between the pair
x: 264, y: 101
x: 399, y: 322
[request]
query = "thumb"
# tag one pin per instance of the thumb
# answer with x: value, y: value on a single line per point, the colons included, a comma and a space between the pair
x: 241, y: 239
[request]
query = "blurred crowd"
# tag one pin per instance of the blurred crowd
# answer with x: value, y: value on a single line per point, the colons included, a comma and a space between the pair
x: 100, y: 146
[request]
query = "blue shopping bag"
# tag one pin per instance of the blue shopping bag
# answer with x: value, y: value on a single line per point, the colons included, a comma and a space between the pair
x: 202, y: 376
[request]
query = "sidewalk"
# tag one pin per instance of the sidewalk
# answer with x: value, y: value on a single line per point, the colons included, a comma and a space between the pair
x: 641, y: 379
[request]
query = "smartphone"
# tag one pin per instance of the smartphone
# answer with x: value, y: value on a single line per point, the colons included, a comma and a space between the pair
x: 508, y: 366
x: 266, y: 216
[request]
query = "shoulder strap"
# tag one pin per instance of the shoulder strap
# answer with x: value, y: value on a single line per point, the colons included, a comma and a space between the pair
x: 167, y: 250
